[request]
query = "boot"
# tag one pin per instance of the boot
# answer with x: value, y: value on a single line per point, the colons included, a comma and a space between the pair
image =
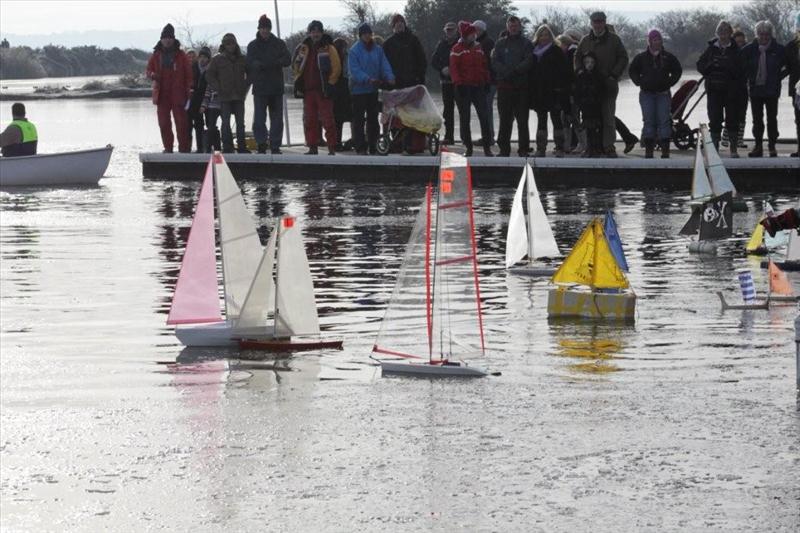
x: 773, y: 152
x: 664, y: 145
x: 630, y: 143
x: 468, y: 151
x: 487, y: 148
x: 262, y: 148
x: 312, y: 150
x: 649, y: 145
x: 758, y: 149
x: 541, y: 143
x: 735, y: 151
x: 558, y: 137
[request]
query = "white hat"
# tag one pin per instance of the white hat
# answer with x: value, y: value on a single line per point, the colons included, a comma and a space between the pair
x: 481, y: 25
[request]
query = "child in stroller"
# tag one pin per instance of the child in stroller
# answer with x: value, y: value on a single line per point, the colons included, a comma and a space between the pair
x: 411, y: 121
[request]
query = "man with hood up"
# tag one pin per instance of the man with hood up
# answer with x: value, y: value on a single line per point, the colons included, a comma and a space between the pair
x: 171, y: 71
x: 317, y: 67
x: 227, y: 75
x: 405, y: 54
x: 267, y: 56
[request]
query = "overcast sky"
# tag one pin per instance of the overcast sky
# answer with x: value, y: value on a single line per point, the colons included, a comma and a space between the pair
x: 46, y: 16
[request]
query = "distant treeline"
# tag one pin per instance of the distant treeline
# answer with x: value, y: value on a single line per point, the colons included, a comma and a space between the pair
x: 22, y: 62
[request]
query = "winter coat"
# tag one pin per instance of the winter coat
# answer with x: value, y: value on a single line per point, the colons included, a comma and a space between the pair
x: 407, y: 58
x: 328, y: 64
x: 227, y: 75
x: 549, y: 80
x: 792, y: 51
x: 512, y: 58
x: 722, y: 67
x: 487, y: 43
x: 441, y: 59
x: 366, y: 64
x: 198, y: 88
x: 468, y: 65
x: 590, y: 89
x: 655, y: 73
x: 776, y: 67
x: 612, y: 58
x: 342, y: 103
x: 266, y: 59
x: 173, y: 85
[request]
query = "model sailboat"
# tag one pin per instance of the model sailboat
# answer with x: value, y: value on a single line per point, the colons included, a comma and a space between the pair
x: 713, y: 220
x: 534, y: 239
x: 779, y: 290
x: 761, y: 243
x: 792, y: 260
x: 288, y: 298
x: 433, y: 321
x: 710, y: 178
x: 591, y: 282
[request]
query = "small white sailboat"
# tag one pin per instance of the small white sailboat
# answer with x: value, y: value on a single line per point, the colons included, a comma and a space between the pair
x: 288, y: 298
x: 712, y: 220
x: 531, y: 237
x: 195, y: 310
x: 591, y: 282
x: 433, y: 322
x: 82, y: 167
x: 710, y: 178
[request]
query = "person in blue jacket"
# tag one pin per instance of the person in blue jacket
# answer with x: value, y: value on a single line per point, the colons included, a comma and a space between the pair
x: 369, y: 70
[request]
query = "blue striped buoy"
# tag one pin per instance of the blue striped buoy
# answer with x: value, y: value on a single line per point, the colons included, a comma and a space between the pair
x: 747, y: 285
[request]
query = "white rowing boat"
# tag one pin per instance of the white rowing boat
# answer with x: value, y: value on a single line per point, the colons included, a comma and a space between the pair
x: 82, y: 167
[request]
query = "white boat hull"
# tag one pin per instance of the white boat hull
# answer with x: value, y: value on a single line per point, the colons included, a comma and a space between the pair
x: 83, y: 167
x: 580, y: 303
x: 211, y: 334
x: 459, y: 370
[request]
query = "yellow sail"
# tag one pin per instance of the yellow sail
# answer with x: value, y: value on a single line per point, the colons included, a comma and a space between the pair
x: 757, y: 239
x: 591, y: 262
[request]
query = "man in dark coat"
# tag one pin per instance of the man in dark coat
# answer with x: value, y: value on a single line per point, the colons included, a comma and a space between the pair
x: 440, y: 62
x: 405, y: 54
x: 267, y: 55
x: 487, y: 43
x: 511, y: 61
x: 550, y: 79
x: 764, y: 66
x: 196, y: 118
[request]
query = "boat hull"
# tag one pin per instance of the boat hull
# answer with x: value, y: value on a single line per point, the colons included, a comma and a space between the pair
x: 532, y: 271
x: 83, y: 167
x: 703, y: 247
x: 210, y: 334
x: 576, y: 303
x: 786, y: 266
x: 432, y: 370
x: 289, y: 345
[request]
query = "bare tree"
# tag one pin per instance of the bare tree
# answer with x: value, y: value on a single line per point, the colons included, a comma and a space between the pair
x: 780, y: 13
x: 189, y: 36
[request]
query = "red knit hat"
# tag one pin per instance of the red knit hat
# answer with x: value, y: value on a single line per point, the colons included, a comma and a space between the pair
x: 466, y: 28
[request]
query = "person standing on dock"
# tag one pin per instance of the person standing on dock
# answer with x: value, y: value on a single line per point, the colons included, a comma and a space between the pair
x: 196, y: 118
x: 612, y: 59
x: 655, y: 71
x: 590, y: 87
x: 227, y: 74
x: 764, y: 65
x: 511, y: 60
x: 369, y: 70
x: 20, y: 137
x: 405, y: 54
x: 171, y: 72
x: 316, y: 67
x: 549, y: 81
x: 487, y: 43
x: 792, y: 51
x: 440, y: 62
x: 267, y: 56
x: 721, y: 66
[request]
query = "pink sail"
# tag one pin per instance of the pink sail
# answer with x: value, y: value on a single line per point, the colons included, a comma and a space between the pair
x: 196, y: 297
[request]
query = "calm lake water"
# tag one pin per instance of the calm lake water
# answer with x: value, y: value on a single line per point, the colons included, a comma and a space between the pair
x: 688, y: 420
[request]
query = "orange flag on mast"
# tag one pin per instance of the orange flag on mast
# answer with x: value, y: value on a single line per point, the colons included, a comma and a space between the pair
x: 778, y: 282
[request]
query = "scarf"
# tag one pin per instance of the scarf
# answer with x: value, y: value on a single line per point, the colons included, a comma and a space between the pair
x: 761, y: 75
x: 540, y: 49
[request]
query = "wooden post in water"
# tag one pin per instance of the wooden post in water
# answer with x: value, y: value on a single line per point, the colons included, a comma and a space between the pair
x: 285, y: 100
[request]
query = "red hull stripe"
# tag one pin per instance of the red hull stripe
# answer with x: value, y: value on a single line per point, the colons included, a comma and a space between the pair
x: 398, y: 354
x: 455, y: 260
x: 453, y: 205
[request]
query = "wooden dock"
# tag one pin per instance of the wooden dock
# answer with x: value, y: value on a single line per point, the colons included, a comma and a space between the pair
x: 626, y: 172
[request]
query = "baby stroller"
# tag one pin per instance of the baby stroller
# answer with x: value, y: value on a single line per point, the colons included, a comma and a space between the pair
x: 683, y: 135
x: 409, y: 112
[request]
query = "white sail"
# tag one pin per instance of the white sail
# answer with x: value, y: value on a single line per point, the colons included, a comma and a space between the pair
x: 542, y: 241
x: 701, y: 187
x: 241, y: 247
x: 793, y: 248
x: 260, y: 301
x: 517, y: 236
x: 720, y: 181
x: 296, y: 311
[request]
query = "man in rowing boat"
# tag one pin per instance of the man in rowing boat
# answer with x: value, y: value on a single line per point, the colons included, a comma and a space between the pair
x: 20, y: 137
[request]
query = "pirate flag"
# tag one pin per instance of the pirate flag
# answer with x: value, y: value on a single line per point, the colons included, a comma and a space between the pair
x: 716, y: 218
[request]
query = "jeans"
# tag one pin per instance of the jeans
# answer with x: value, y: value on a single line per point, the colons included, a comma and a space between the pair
x: 448, y: 99
x: 723, y: 103
x: 656, y: 115
x: 365, y: 104
x: 512, y: 104
x: 468, y: 96
x: 235, y: 108
x: 757, y: 105
x: 212, y: 131
x: 275, y: 133
x: 317, y: 108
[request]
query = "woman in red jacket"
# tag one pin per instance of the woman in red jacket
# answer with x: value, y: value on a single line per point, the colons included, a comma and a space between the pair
x: 171, y: 71
x: 469, y: 71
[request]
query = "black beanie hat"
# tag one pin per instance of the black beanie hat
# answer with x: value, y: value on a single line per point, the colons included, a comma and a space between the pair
x: 364, y: 28
x: 205, y: 51
x: 168, y: 31
x: 315, y: 25
x: 264, y: 22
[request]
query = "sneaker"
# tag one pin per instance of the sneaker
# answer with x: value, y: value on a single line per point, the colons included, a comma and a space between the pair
x: 630, y: 144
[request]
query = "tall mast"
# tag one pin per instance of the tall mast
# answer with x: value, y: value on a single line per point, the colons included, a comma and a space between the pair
x: 529, y: 229
x: 277, y: 269
x: 219, y: 218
